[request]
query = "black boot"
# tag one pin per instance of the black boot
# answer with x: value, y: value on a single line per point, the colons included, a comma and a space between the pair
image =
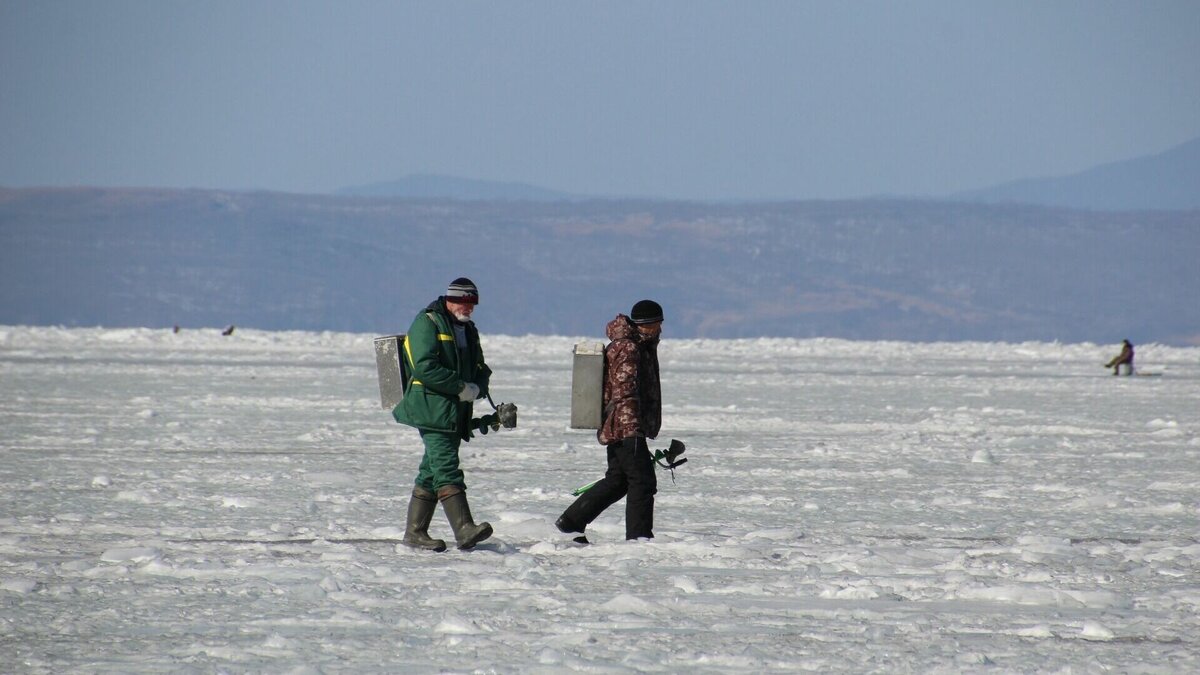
x: 458, y: 512
x: 568, y: 526
x: 589, y: 505
x: 420, y: 512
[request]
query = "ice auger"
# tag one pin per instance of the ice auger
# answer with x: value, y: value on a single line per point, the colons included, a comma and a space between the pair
x: 670, y: 456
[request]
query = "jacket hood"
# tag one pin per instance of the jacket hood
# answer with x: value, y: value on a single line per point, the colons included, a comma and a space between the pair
x: 621, y: 328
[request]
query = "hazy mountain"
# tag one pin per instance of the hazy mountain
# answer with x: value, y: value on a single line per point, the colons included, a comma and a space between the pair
x: 1170, y: 180
x: 429, y: 186
x: 1166, y: 181
x: 898, y: 270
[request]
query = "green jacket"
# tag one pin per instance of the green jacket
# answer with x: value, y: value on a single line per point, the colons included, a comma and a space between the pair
x: 437, y: 372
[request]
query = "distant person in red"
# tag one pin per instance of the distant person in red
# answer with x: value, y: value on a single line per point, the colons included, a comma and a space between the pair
x: 1125, y: 358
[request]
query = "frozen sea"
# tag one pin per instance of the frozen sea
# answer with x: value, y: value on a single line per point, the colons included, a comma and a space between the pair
x: 204, y: 504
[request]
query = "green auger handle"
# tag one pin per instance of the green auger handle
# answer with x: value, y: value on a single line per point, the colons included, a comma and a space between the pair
x: 584, y: 488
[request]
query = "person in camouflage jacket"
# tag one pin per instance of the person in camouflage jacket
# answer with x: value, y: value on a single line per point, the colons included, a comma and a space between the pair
x: 632, y: 413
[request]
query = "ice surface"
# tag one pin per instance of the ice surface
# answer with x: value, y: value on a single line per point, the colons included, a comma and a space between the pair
x: 197, y: 503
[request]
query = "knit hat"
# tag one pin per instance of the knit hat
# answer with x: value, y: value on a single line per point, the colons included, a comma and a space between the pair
x: 646, y: 311
x: 463, y: 290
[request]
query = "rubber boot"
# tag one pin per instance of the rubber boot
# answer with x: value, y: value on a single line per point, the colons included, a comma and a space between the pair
x: 458, y: 512
x: 420, y: 513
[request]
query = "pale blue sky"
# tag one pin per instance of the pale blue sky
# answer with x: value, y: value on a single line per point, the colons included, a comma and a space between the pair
x: 667, y: 99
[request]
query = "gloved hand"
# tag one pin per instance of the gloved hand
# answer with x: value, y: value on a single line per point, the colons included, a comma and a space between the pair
x: 491, y: 421
x: 470, y: 392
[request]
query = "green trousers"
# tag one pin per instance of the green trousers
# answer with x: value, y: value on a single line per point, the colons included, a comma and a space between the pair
x: 439, y: 465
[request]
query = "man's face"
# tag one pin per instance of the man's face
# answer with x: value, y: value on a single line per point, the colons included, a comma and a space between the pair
x: 650, y: 330
x: 460, y: 310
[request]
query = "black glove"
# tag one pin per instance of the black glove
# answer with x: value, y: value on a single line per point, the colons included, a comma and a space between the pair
x: 483, y: 423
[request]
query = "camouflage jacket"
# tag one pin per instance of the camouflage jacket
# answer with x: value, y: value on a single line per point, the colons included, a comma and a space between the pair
x: 632, y: 396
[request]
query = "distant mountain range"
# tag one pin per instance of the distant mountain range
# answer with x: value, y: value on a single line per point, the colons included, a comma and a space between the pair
x: 1166, y: 181
x: 429, y: 186
x: 1170, y: 180
x: 863, y: 269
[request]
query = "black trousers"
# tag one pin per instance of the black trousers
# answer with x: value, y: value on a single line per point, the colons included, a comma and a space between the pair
x: 630, y: 474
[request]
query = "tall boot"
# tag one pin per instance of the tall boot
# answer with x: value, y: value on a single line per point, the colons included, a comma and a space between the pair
x: 420, y: 513
x: 458, y: 512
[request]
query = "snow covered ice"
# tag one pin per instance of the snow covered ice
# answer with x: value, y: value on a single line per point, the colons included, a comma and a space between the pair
x: 197, y: 503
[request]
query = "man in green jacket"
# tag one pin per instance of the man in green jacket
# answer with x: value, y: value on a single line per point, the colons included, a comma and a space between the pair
x: 446, y: 373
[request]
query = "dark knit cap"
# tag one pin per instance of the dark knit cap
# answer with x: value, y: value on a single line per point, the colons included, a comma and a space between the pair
x: 463, y: 290
x: 646, y: 311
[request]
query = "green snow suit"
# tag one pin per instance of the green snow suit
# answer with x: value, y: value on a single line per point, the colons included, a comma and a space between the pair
x: 438, y: 366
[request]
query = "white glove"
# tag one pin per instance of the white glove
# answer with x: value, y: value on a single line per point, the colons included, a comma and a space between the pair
x: 470, y: 392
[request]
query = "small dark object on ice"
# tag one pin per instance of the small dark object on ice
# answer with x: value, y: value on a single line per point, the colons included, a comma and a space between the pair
x: 228, y: 331
x: 582, y: 540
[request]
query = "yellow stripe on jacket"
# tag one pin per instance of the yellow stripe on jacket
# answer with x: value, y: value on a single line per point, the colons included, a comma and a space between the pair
x: 442, y: 337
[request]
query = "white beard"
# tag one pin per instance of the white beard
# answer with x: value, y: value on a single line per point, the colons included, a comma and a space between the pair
x: 460, y: 316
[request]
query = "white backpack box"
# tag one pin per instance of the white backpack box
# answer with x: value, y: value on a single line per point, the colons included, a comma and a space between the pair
x: 587, y: 386
x: 393, y: 374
